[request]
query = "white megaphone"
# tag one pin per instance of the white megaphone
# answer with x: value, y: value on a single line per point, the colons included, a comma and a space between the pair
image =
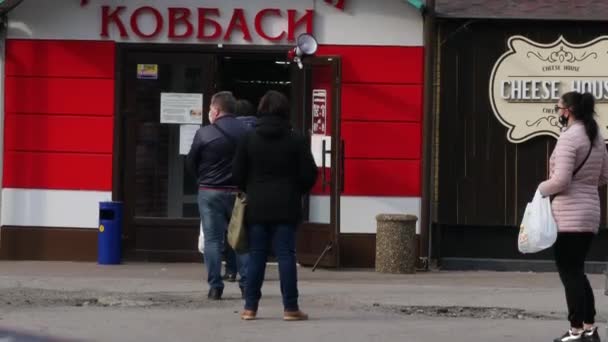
x: 306, y: 44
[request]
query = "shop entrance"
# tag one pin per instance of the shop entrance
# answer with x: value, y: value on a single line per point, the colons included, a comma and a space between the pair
x: 316, y: 107
x: 159, y: 191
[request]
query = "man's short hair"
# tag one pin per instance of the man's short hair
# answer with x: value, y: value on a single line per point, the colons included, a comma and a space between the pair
x: 224, y: 101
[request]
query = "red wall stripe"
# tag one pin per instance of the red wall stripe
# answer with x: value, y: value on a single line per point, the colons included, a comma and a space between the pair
x: 382, y: 102
x: 381, y: 140
x: 378, y: 64
x: 382, y: 177
x: 59, y: 104
x: 318, y: 188
x: 381, y: 113
x: 55, y: 133
x: 72, y: 171
x: 53, y: 58
x: 60, y: 96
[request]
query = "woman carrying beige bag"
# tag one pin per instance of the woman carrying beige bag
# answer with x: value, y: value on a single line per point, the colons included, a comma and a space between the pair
x: 274, y: 167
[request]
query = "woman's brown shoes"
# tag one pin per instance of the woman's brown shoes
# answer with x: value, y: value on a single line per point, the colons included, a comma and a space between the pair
x: 248, y: 315
x: 294, y: 316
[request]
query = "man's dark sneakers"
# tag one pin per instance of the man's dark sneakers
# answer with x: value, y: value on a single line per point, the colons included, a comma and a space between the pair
x: 230, y: 277
x: 215, y: 294
x: 570, y: 336
x: 591, y: 335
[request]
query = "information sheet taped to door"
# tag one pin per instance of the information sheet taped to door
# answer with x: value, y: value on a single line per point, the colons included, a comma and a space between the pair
x: 186, y: 136
x: 181, y: 108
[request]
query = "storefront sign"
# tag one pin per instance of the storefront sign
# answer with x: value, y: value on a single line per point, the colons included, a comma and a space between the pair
x: 181, y: 108
x: 204, y: 24
x: 528, y: 80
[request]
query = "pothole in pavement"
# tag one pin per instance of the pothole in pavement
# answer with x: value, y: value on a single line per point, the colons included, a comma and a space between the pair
x: 465, y: 312
x: 25, y: 297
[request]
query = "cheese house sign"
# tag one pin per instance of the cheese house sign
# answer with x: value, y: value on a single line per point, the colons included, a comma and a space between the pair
x: 528, y: 80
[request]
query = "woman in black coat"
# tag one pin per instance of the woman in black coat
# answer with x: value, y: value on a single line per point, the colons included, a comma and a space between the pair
x: 273, y: 165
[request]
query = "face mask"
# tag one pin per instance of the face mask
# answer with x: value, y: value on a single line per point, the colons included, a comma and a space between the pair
x: 563, y: 120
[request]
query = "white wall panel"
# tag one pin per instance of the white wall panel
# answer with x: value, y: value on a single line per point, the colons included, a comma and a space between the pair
x: 358, y: 214
x: 367, y: 22
x: 52, y: 208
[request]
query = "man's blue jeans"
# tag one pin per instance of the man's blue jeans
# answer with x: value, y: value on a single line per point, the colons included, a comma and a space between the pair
x: 215, y: 208
x: 283, y: 238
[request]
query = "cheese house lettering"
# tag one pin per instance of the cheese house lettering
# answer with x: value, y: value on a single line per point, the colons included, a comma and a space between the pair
x: 202, y: 23
x: 550, y: 90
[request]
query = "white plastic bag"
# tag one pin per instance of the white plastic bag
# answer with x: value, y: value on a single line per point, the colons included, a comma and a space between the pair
x: 201, y: 240
x: 538, y: 229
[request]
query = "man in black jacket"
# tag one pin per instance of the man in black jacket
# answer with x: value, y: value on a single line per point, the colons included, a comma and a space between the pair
x: 211, y: 157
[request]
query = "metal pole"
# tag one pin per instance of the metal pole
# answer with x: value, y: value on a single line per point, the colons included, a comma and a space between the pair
x: 430, y: 34
x: 3, y: 29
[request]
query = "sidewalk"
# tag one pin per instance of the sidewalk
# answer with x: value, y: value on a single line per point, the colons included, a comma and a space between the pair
x: 132, y: 302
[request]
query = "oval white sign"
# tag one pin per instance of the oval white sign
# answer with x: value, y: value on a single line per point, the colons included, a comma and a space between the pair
x: 528, y: 80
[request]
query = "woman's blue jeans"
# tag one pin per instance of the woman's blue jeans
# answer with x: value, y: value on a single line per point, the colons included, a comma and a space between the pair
x: 282, y: 237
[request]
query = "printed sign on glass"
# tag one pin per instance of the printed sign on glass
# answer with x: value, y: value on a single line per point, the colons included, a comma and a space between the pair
x: 181, y: 108
x: 147, y: 71
x: 319, y: 111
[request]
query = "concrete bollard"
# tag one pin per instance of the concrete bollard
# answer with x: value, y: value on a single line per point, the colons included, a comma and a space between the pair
x: 396, y: 243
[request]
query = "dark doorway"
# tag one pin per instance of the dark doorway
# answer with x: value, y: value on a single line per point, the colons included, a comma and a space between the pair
x: 250, y: 76
x: 159, y: 192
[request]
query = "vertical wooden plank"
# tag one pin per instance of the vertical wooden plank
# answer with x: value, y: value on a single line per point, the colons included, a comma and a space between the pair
x: 449, y: 145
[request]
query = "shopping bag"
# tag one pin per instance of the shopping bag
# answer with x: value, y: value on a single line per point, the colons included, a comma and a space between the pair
x: 538, y: 229
x: 201, y: 240
x: 237, y: 232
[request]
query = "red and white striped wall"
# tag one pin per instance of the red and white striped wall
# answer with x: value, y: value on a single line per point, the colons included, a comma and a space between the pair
x: 59, y: 106
x: 58, y: 132
x: 381, y: 113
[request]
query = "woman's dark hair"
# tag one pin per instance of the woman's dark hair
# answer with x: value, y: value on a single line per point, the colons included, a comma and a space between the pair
x: 583, y: 108
x: 274, y: 103
x: 244, y: 108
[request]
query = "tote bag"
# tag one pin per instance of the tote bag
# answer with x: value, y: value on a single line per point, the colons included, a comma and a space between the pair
x: 201, y: 239
x: 538, y: 229
x: 237, y: 232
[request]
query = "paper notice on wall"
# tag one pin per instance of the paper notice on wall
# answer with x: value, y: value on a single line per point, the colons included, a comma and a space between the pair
x: 316, y: 145
x: 181, y: 108
x: 186, y: 136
